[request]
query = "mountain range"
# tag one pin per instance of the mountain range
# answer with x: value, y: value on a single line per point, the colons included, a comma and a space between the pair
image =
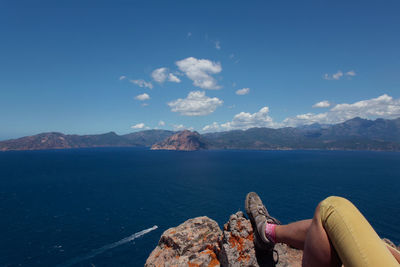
x: 354, y: 134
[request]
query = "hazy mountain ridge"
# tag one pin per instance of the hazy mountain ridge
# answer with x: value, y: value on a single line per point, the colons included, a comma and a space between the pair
x: 54, y: 140
x: 354, y: 134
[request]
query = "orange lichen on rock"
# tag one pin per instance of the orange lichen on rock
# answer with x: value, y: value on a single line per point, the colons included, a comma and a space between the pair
x: 239, y: 225
x: 214, y: 260
x: 251, y: 237
x: 191, y: 264
x: 238, y: 243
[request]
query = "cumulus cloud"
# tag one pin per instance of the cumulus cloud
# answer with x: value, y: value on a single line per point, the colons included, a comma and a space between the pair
x: 173, y: 78
x: 178, y: 127
x: 142, y: 97
x: 200, y: 71
x: 161, y: 123
x: 142, y: 83
x: 159, y: 75
x: 162, y: 74
x: 322, y: 104
x: 244, y: 120
x: 243, y: 91
x: 383, y: 106
x: 122, y: 77
x: 138, y: 126
x: 339, y: 74
x: 214, y: 127
x: 195, y: 104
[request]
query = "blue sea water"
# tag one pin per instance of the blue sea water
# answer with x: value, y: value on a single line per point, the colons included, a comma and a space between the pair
x: 98, y: 206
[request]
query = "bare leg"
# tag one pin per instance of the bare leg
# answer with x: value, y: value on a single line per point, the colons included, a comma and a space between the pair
x: 310, y: 236
x: 293, y: 234
x: 318, y: 251
x: 395, y: 253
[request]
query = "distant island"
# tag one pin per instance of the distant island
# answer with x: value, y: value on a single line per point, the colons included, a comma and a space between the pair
x: 183, y: 141
x: 354, y: 134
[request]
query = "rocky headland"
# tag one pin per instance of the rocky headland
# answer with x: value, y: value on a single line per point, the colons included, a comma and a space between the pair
x: 183, y: 141
x: 199, y: 242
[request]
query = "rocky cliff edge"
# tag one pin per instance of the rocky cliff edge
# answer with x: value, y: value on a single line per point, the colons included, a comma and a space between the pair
x: 200, y: 242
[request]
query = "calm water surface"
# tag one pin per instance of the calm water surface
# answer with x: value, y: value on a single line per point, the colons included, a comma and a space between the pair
x: 70, y: 207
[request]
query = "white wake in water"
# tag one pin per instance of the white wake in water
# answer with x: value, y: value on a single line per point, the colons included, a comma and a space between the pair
x: 98, y: 251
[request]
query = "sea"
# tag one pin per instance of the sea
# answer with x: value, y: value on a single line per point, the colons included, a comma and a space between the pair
x: 109, y: 206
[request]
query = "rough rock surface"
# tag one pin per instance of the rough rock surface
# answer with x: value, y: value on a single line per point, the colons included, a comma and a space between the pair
x: 200, y: 242
x: 237, y: 248
x: 185, y: 141
x: 193, y: 243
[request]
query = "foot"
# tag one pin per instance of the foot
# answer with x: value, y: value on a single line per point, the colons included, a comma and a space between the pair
x: 259, y: 216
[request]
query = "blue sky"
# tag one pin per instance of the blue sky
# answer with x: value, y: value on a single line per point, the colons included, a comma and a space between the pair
x: 77, y: 66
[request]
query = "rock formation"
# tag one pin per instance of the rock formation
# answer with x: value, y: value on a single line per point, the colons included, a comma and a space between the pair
x: 193, y: 243
x: 200, y: 242
x: 185, y: 141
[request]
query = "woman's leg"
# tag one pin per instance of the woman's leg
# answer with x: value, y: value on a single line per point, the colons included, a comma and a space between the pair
x: 293, y: 234
x: 353, y: 238
x: 310, y: 236
x: 318, y: 250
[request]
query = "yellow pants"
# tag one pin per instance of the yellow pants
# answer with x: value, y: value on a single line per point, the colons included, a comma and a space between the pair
x: 353, y: 238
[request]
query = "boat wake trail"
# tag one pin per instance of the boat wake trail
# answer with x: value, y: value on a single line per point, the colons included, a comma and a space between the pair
x: 98, y: 251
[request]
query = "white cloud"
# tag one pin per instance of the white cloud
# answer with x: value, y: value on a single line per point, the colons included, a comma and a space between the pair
x: 159, y: 75
x: 195, y: 104
x: 335, y: 76
x: 243, y: 91
x: 245, y: 120
x: 122, y: 77
x: 173, y: 78
x: 339, y: 74
x: 383, y: 106
x: 178, y: 127
x: 138, y: 126
x: 351, y: 73
x: 142, y: 97
x: 161, y: 123
x: 200, y: 71
x: 214, y: 127
x: 322, y: 104
x: 142, y: 83
x: 218, y: 45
